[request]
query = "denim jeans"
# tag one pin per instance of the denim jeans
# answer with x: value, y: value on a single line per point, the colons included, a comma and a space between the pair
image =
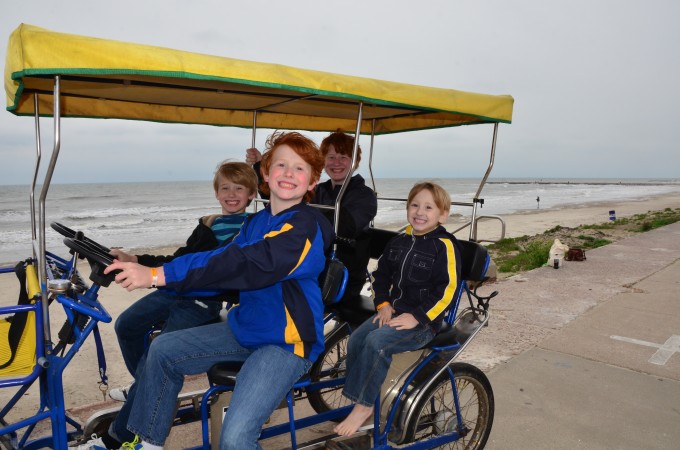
x: 178, y: 313
x: 369, y: 355
x: 268, y: 373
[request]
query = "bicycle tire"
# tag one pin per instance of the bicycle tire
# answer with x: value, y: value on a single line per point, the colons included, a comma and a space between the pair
x: 435, y: 412
x: 330, y: 364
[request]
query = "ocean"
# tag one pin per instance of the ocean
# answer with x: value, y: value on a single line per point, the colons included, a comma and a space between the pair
x: 143, y: 215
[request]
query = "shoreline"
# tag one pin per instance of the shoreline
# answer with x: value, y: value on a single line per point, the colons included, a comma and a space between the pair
x: 527, y: 222
x: 593, y: 183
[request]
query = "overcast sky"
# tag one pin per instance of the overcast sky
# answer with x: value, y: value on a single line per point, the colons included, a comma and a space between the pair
x: 596, y: 83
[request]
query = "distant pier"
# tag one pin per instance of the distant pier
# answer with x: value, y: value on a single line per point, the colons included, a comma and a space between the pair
x: 595, y: 183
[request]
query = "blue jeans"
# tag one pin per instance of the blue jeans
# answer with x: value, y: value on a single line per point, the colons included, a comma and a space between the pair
x: 178, y: 313
x: 267, y: 375
x: 369, y: 355
x: 132, y: 326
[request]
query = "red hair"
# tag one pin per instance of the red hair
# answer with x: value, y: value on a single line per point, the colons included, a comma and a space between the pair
x: 303, y: 146
x: 342, y: 143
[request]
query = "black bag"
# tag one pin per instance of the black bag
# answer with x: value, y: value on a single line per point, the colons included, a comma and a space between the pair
x: 575, y: 254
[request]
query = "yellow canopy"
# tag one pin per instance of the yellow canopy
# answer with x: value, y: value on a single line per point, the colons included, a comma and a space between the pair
x: 111, y: 79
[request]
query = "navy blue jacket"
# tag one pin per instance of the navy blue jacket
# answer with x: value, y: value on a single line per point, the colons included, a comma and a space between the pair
x: 275, y: 261
x: 419, y: 274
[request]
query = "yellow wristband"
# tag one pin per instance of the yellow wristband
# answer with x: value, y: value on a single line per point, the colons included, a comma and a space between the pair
x: 154, y: 277
x: 377, y: 308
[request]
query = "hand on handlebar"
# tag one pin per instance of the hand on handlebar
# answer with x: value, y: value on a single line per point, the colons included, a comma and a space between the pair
x: 134, y: 276
x: 253, y: 155
x: 122, y: 256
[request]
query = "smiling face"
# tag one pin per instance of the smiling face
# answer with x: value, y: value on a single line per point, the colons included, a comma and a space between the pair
x: 289, y: 178
x: 423, y: 213
x: 337, y: 165
x: 233, y: 197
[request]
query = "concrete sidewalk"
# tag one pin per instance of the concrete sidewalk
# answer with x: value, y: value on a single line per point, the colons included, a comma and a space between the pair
x: 604, y: 370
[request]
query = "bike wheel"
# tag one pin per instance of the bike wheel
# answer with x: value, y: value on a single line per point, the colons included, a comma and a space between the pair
x: 330, y: 365
x: 435, y: 413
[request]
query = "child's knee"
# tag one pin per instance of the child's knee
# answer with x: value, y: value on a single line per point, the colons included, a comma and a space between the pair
x: 233, y: 437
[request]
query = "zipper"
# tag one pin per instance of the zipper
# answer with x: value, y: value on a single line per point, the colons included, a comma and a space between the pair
x: 401, y: 272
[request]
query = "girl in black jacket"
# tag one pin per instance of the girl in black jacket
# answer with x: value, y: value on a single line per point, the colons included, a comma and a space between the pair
x: 416, y: 282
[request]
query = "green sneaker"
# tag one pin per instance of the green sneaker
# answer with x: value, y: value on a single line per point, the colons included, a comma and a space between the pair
x: 134, y: 445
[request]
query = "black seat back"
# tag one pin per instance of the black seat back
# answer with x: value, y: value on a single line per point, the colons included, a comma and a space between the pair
x: 378, y: 241
x: 474, y: 260
x: 333, y: 281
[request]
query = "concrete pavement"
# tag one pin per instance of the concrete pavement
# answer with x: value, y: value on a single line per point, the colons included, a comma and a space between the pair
x: 604, y: 370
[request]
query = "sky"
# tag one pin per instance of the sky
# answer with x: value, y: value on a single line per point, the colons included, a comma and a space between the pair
x: 595, y: 83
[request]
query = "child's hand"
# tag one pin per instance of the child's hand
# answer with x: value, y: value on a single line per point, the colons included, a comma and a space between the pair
x: 253, y: 155
x: 122, y: 256
x: 132, y: 276
x: 404, y: 321
x: 384, y: 315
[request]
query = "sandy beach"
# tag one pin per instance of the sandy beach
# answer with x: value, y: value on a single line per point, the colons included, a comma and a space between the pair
x: 81, y: 386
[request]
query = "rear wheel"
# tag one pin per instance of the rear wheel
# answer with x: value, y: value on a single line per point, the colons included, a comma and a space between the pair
x: 330, y: 365
x: 435, y: 413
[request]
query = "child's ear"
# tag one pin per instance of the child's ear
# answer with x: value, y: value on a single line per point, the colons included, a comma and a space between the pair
x: 312, y: 185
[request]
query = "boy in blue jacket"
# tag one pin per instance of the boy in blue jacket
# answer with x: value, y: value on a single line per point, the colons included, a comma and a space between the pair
x: 235, y: 185
x: 277, y: 328
x: 415, y: 283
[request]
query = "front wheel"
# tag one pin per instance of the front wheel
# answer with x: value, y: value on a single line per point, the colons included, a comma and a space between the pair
x: 330, y: 365
x: 435, y: 412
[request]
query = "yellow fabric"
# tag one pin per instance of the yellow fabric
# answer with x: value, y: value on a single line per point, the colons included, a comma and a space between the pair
x: 32, y: 283
x: 447, y: 298
x: 24, y: 361
x: 112, y: 79
x: 292, y: 336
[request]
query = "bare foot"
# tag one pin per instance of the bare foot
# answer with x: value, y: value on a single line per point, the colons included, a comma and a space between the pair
x: 356, y: 418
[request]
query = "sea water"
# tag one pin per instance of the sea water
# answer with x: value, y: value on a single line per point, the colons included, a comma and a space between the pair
x: 143, y: 215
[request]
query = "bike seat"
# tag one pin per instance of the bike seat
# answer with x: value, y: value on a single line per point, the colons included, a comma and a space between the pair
x: 225, y: 373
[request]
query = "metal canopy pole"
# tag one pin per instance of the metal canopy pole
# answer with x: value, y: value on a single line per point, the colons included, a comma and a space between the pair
x: 42, y: 271
x: 38, y: 154
x: 252, y: 141
x: 370, y: 155
x: 476, y: 200
x: 355, y: 151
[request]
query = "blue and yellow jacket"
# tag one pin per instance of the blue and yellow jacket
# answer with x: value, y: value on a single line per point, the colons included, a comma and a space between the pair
x: 275, y: 261
x: 419, y: 274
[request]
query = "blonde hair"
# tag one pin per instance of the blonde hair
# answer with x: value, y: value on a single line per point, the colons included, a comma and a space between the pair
x: 441, y: 197
x: 236, y: 172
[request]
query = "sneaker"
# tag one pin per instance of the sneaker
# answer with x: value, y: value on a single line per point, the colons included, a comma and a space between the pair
x: 120, y: 394
x: 134, y: 445
x: 95, y: 443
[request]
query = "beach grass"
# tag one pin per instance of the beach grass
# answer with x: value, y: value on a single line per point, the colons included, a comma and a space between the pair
x: 513, y: 255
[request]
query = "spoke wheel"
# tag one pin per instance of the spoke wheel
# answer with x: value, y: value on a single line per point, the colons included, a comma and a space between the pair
x: 435, y: 413
x: 330, y: 365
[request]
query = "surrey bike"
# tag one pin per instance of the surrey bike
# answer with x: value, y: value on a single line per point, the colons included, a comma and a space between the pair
x: 57, y: 75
